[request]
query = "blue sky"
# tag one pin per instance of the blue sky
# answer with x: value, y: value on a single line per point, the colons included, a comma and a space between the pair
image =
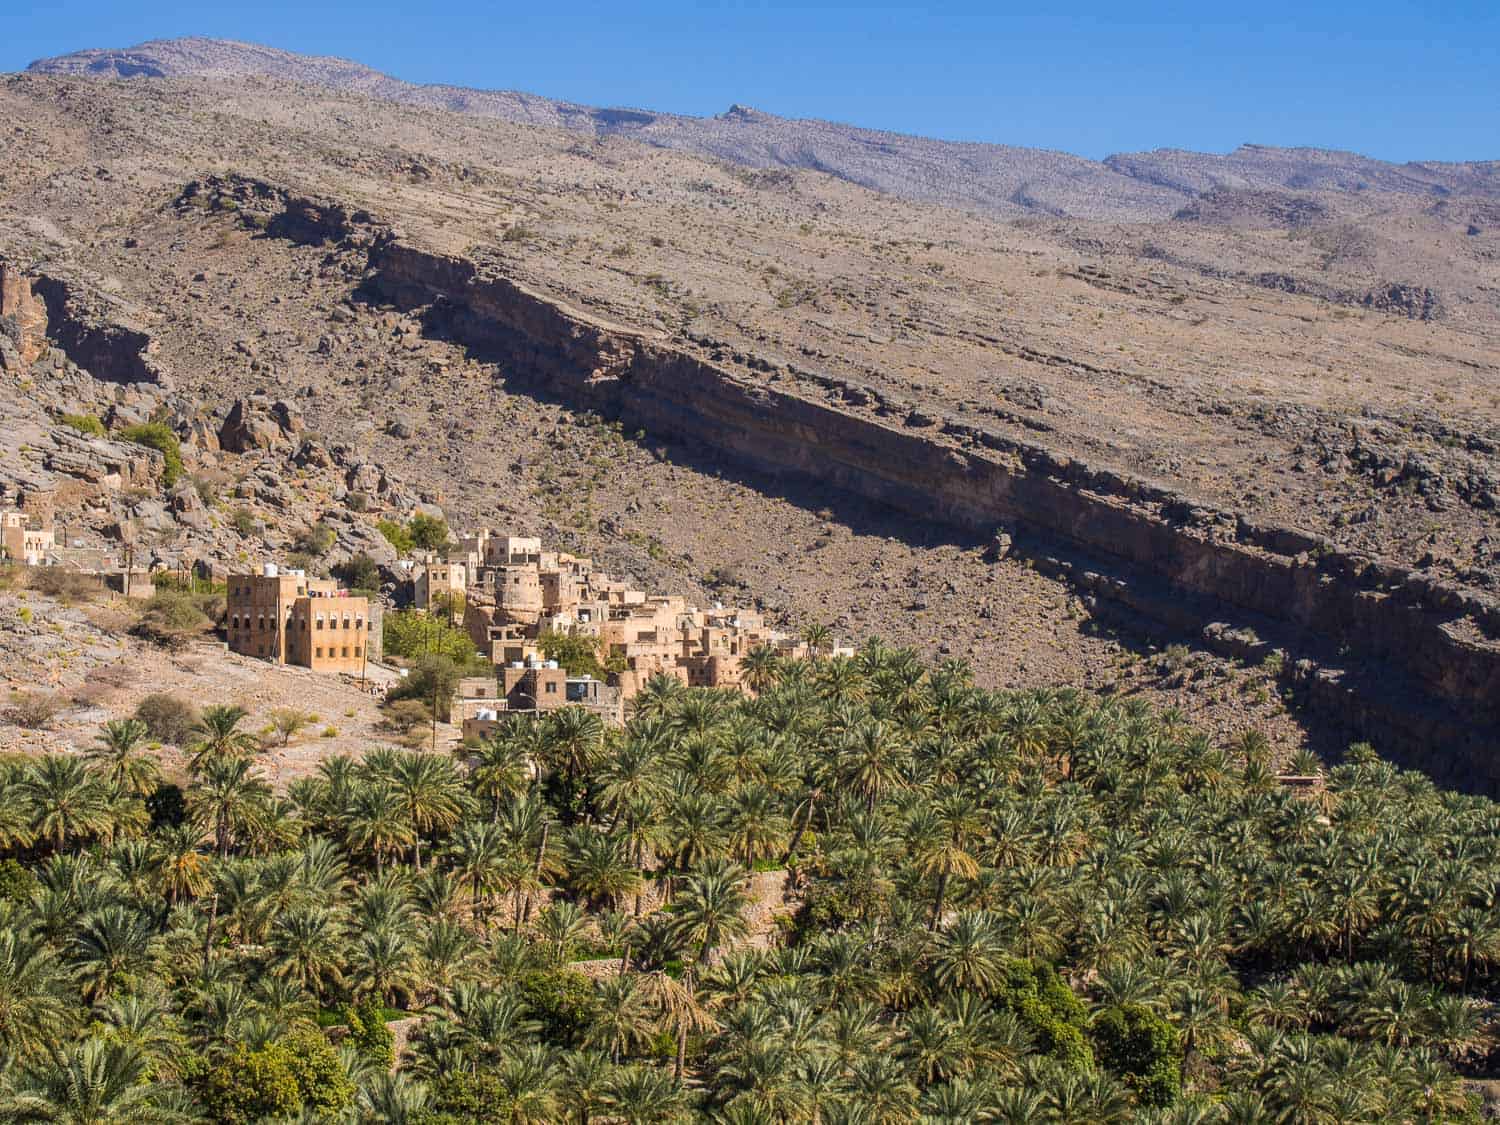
x: 1390, y: 78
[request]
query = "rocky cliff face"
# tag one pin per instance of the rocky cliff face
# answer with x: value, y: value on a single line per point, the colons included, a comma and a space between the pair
x: 1405, y: 659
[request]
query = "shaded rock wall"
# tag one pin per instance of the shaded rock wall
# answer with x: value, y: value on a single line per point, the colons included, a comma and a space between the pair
x: 1400, y: 656
x: 107, y: 349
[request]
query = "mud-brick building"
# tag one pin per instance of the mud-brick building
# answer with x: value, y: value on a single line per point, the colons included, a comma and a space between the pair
x: 288, y: 618
x: 25, y: 536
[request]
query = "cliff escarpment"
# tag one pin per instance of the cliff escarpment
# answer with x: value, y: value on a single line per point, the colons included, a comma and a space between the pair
x: 1399, y: 655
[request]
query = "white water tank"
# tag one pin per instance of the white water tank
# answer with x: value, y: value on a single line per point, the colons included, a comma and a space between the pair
x: 268, y: 570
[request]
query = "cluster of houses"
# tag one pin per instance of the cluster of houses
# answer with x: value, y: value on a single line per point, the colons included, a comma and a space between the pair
x: 514, y: 596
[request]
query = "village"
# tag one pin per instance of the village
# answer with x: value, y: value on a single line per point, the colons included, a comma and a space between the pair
x: 510, y: 595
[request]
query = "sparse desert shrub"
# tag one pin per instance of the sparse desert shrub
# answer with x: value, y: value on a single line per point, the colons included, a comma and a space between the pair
x: 65, y: 585
x: 207, y: 487
x: 169, y: 718
x: 103, y: 682
x: 287, y: 721
x: 171, y: 619
x: 86, y: 424
x: 159, y: 436
x: 404, y: 715
x: 35, y: 710
x: 243, y: 521
x: 316, y: 540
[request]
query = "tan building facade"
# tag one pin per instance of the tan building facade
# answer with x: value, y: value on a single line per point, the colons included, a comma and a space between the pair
x: 288, y: 618
x: 25, y: 537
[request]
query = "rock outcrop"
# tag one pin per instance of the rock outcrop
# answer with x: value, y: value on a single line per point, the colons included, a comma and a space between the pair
x: 257, y: 423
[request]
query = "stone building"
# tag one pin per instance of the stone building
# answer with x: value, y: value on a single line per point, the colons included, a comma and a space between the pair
x: 25, y: 537
x: 285, y: 617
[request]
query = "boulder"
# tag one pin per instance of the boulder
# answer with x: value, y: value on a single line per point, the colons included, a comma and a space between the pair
x: 249, y: 426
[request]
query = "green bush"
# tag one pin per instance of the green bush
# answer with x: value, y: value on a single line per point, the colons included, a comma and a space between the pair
x: 159, y: 436
x: 396, y: 535
x: 300, y: 1070
x: 1143, y: 1048
x: 166, y: 805
x: 1053, y: 1015
x: 86, y: 424
x: 359, y: 573
x: 433, y: 679
x: 374, y: 1041
x: 16, y: 883
x: 580, y: 655
x: 563, y: 1000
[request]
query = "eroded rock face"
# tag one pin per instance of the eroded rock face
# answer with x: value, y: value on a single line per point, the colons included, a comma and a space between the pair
x: 23, y: 317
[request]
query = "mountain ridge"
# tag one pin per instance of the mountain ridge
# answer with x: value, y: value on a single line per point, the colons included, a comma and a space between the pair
x: 998, y: 180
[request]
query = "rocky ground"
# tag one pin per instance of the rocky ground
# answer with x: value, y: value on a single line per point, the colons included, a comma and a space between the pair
x: 79, y: 652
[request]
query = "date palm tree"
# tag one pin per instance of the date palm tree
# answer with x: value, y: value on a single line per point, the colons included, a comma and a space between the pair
x: 623, y: 1022
x: 376, y: 822
x: 219, y: 735
x: 112, y: 946
x: 68, y: 801
x: 230, y: 798
x: 95, y: 1082
x: 710, y: 908
x: 431, y: 795
x: 117, y: 751
x: 35, y: 1009
x: 307, y: 944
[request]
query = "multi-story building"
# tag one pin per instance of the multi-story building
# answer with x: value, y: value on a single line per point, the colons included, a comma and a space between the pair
x: 288, y: 618
x: 25, y: 537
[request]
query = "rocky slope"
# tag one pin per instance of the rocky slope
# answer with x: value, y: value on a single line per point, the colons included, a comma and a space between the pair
x: 998, y: 180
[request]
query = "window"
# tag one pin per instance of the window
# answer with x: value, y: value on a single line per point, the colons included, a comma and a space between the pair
x: 357, y: 652
x: 320, y: 621
x: 551, y: 687
x: 318, y: 652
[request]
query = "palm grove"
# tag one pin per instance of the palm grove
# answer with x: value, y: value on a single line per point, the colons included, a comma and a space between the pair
x: 1035, y: 906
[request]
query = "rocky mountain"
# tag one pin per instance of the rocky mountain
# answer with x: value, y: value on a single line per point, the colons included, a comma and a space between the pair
x: 998, y: 180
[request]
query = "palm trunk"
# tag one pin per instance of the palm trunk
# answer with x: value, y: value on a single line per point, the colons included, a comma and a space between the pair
x: 937, y: 905
x: 800, y: 830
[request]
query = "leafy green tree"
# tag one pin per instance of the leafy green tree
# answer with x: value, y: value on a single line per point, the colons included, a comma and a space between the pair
x: 429, y: 533
x: 1142, y: 1047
